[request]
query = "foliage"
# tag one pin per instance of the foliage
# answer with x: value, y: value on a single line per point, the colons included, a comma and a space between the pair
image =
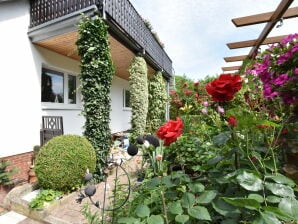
x: 186, y: 97
x: 44, y: 196
x: 96, y: 76
x: 62, y: 162
x: 231, y: 157
x: 277, y: 69
x: 92, y: 218
x: 157, y: 97
x: 138, y: 86
x: 5, y: 174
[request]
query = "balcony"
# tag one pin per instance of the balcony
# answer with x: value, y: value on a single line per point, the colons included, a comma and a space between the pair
x: 52, y: 22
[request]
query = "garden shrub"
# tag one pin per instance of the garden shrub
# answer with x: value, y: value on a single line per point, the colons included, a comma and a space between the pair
x: 157, y: 102
x: 138, y: 86
x: 96, y: 76
x: 62, y: 162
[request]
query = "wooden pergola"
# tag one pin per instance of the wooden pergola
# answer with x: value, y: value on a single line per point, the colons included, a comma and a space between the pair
x: 271, y: 18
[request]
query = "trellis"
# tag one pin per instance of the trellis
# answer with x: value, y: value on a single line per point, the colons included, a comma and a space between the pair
x: 272, y: 18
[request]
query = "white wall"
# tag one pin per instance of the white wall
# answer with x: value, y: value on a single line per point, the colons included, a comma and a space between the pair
x: 20, y: 88
x: 120, y: 117
x: 20, y: 112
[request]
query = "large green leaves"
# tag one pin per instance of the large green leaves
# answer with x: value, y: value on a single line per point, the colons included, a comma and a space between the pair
x: 175, y: 208
x: 199, y: 212
x: 142, y: 211
x: 250, y: 181
x: 206, y: 197
x: 289, y: 206
x: 155, y: 219
x: 243, y: 202
x: 188, y: 200
x: 280, y: 189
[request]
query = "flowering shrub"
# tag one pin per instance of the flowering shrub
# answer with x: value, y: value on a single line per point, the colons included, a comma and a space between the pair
x: 277, y: 68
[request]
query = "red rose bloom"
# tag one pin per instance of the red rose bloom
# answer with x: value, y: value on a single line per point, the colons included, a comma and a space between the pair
x: 224, y: 87
x: 170, y: 131
x: 232, y: 121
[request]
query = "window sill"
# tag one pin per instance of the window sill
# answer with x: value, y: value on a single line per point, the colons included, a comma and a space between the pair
x: 126, y: 109
x: 56, y: 106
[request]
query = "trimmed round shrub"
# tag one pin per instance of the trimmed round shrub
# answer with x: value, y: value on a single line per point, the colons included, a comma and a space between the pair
x: 62, y: 162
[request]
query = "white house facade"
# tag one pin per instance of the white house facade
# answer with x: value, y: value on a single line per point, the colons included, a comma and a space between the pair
x: 28, y: 66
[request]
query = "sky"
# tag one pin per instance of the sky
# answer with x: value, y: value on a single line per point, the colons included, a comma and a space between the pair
x: 195, y: 32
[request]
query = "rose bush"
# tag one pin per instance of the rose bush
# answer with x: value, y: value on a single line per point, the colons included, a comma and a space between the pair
x: 170, y: 131
x: 224, y: 88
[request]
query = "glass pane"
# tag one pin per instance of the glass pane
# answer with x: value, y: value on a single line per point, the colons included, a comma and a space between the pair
x: 52, y: 83
x: 127, y: 98
x: 72, y: 86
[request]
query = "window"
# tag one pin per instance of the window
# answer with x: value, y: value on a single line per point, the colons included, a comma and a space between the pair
x: 126, y: 98
x: 54, y: 88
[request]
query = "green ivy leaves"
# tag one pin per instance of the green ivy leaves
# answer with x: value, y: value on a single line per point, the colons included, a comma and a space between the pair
x: 96, y: 77
x: 138, y: 87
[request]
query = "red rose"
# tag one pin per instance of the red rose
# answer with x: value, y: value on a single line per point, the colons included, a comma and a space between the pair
x: 224, y: 87
x: 232, y: 121
x: 170, y: 131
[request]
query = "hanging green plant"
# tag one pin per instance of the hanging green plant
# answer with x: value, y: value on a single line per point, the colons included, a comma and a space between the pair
x: 96, y: 77
x: 138, y: 86
x: 157, y: 102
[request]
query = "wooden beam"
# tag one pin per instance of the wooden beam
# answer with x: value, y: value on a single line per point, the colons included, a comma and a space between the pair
x: 263, y: 17
x: 280, y: 10
x: 255, y: 42
x: 231, y: 68
x: 235, y: 58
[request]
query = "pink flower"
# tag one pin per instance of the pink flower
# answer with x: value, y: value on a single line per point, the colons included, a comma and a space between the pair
x: 281, y: 79
x: 220, y: 110
x: 296, y: 71
x: 158, y: 157
x: 204, y: 111
x: 205, y: 103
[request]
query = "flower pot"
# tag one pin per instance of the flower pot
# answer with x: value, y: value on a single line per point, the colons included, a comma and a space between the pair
x: 32, y: 176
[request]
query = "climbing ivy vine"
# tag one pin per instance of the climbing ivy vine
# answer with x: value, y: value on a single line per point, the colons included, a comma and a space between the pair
x: 96, y: 76
x: 157, y: 102
x: 138, y: 86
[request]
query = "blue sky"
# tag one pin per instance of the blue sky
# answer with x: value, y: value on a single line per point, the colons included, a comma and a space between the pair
x: 195, y: 32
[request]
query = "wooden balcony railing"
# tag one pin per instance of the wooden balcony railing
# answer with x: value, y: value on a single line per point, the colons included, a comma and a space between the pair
x: 120, y: 12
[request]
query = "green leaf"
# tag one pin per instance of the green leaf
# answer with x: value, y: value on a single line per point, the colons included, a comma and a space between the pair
x: 221, y: 138
x: 188, y: 200
x: 225, y: 208
x: 215, y: 160
x: 277, y: 212
x: 273, y: 199
x: 142, y: 211
x: 155, y: 219
x: 269, y: 218
x: 251, y: 204
x: 206, y: 197
x: 281, y: 179
x: 200, y: 213
x: 289, y: 206
x: 167, y: 180
x: 181, y: 218
x: 175, y: 208
x: 196, y: 187
x: 128, y: 220
x: 257, y: 197
x: 250, y: 181
x: 154, y: 182
x: 280, y: 189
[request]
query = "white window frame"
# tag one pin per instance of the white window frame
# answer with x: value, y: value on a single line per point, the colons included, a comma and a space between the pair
x: 65, y: 105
